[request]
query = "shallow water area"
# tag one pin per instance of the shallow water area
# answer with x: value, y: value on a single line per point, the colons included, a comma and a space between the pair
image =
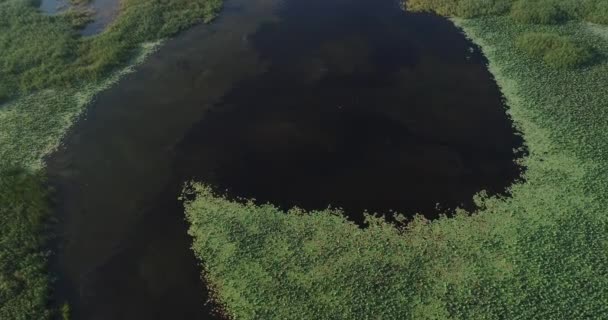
x: 310, y: 103
x: 53, y: 6
x: 104, y: 12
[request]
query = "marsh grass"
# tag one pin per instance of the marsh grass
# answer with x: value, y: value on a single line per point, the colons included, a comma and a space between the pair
x: 538, y: 12
x: 556, y: 51
x: 522, y: 11
x: 598, y: 13
x: 23, y: 212
x: 42, y: 52
x: 66, y: 311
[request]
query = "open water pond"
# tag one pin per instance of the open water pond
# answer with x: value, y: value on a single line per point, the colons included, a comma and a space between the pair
x: 349, y: 103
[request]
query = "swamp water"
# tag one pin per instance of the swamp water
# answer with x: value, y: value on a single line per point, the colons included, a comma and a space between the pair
x: 309, y: 103
x: 104, y: 12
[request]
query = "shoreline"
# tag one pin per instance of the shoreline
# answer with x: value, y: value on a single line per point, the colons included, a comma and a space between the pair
x: 517, y: 256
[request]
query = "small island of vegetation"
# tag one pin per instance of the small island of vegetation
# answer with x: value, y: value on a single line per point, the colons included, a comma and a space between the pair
x: 540, y: 253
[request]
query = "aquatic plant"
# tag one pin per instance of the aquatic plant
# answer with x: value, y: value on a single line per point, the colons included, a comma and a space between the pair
x: 598, y: 12
x: 66, y: 311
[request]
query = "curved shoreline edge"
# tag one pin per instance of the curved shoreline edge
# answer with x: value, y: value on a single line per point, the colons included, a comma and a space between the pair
x: 542, y: 252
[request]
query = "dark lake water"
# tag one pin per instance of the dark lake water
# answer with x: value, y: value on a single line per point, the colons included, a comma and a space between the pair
x: 311, y: 103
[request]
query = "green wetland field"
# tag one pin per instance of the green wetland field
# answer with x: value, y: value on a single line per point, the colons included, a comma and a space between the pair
x: 537, y: 251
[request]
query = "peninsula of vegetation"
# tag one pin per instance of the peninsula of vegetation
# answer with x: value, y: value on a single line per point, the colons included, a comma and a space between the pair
x: 541, y: 253
x: 48, y: 75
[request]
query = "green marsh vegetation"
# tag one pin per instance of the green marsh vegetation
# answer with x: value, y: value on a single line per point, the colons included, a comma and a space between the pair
x: 523, y: 11
x: 23, y: 216
x: 41, y: 52
x: 540, y: 254
x: 48, y: 75
x: 556, y: 51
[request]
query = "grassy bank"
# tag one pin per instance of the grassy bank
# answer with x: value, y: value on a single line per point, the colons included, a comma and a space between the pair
x: 48, y: 75
x: 540, y: 254
x: 40, y: 51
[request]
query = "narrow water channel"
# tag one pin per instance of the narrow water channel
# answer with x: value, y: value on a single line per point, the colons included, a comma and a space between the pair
x: 124, y: 252
x: 310, y: 103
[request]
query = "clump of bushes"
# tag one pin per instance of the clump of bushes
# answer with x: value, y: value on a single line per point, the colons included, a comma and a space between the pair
x: 538, y: 12
x: 522, y: 11
x: 598, y: 12
x: 461, y: 8
x: 556, y: 51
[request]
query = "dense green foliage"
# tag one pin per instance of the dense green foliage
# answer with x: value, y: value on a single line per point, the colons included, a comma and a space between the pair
x: 540, y: 254
x: 598, y: 13
x: 556, y: 51
x: 461, y: 8
x: 35, y: 48
x: 522, y: 11
x: 23, y: 211
x: 48, y: 74
x: 539, y: 12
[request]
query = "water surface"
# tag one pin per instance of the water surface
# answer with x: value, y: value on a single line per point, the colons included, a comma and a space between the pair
x: 361, y: 107
x: 310, y: 103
